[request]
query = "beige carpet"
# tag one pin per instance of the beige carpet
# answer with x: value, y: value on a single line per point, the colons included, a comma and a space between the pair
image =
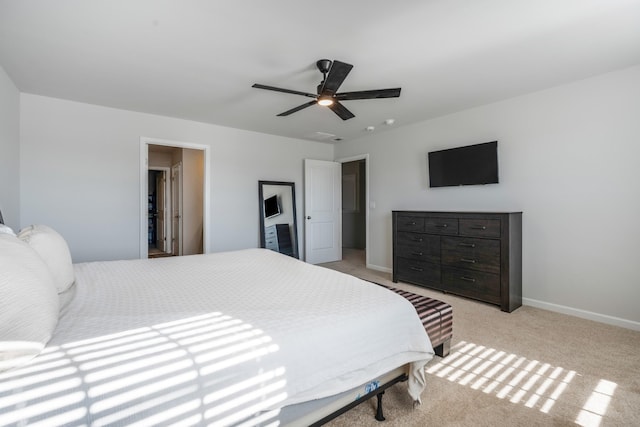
x: 531, y: 367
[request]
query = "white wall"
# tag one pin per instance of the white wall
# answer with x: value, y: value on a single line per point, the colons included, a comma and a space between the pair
x: 9, y: 151
x: 569, y: 158
x: 80, y: 174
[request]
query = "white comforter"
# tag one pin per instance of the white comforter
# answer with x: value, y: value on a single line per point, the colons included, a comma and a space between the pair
x: 211, y: 339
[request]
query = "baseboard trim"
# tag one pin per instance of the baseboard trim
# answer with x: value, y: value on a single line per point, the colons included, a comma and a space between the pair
x: 589, y: 315
x: 379, y: 268
x: 583, y: 314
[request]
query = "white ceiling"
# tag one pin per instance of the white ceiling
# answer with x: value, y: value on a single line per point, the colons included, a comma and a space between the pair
x: 197, y: 59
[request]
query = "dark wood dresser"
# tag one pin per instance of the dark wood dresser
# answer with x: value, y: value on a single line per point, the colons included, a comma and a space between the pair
x: 277, y: 237
x: 472, y: 254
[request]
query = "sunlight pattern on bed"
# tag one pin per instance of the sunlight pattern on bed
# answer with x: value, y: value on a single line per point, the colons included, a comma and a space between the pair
x: 146, y: 376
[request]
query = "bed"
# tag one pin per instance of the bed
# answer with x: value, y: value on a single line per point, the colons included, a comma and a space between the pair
x: 248, y: 337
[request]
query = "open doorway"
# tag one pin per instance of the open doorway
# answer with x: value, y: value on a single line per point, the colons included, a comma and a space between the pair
x: 174, y: 188
x: 354, y: 211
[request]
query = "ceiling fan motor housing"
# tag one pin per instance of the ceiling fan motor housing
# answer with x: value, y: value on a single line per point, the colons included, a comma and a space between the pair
x: 323, y: 65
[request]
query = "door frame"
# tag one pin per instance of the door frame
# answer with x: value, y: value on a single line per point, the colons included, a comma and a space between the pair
x: 144, y: 189
x: 364, y: 157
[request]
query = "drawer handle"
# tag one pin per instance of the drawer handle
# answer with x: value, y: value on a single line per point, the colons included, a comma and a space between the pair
x: 470, y: 261
x: 468, y: 279
x: 416, y: 268
x: 479, y: 227
x: 418, y: 239
x: 417, y: 253
x: 467, y: 245
x: 442, y: 225
x: 411, y: 223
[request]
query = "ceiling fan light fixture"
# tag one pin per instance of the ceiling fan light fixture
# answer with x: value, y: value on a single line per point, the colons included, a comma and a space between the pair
x: 325, y: 102
x: 327, y: 95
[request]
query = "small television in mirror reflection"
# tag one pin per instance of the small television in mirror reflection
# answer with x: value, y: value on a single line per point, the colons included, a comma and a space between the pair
x: 271, y: 206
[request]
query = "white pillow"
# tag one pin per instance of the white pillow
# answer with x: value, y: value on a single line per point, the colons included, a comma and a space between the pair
x: 28, y: 303
x: 53, y: 249
x: 5, y: 229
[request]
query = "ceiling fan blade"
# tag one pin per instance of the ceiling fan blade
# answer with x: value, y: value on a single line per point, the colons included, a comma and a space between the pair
x: 337, y: 73
x: 341, y: 111
x: 278, y: 89
x: 369, y: 94
x: 298, y: 108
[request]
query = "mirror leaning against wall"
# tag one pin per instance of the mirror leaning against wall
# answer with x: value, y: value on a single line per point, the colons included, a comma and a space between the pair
x: 278, y: 223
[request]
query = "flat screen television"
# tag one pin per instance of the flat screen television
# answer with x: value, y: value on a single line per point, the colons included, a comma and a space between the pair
x: 271, y: 206
x: 469, y: 165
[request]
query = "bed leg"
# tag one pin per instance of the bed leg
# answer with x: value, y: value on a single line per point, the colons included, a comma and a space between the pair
x: 379, y: 415
x: 443, y: 349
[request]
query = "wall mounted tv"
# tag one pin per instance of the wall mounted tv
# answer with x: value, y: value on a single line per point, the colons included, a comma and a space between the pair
x: 271, y: 206
x: 468, y: 165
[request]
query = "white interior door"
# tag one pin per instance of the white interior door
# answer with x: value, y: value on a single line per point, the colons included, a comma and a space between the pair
x: 323, y: 211
x: 176, y: 209
x: 161, y: 209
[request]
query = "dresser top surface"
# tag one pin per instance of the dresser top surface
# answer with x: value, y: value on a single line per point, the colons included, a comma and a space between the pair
x: 457, y: 212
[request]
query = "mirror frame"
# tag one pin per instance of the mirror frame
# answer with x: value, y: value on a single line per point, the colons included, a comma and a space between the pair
x: 294, y: 229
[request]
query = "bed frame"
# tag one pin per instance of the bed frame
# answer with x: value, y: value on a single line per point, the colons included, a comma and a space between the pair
x: 379, y: 392
x: 437, y: 318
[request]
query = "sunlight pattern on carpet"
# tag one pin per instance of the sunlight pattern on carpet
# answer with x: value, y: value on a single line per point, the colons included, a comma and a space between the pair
x: 532, y: 383
x: 596, y: 406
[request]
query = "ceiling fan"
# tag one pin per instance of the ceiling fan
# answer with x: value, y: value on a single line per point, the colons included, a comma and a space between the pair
x: 334, y: 73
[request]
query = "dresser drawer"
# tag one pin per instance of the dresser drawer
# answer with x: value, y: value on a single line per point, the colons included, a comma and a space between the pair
x: 441, y: 225
x: 418, y: 271
x: 410, y: 223
x: 474, y: 284
x: 271, y: 243
x: 418, y: 246
x: 480, y: 227
x: 470, y: 253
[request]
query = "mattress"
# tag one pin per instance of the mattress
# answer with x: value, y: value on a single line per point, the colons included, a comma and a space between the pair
x: 218, y: 339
